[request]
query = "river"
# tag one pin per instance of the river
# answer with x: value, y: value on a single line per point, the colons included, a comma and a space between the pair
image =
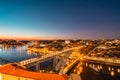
x: 16, y: 53
x: 95, y: 71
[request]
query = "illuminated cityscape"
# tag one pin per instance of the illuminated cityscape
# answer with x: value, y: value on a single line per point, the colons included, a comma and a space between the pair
x: 59, y: 40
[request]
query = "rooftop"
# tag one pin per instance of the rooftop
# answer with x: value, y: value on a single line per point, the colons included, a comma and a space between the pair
x: 13, y: 69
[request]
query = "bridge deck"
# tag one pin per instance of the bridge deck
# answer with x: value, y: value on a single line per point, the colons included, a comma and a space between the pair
x: 28, y: 61
x: 109, y: 61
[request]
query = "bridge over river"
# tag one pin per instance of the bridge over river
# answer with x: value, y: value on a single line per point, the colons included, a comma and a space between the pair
x: 57, y: 64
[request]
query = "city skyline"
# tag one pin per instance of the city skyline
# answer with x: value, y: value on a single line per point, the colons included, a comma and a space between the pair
x: 59, y: 19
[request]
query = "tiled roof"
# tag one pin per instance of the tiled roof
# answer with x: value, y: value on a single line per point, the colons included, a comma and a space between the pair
x: 11, y: 69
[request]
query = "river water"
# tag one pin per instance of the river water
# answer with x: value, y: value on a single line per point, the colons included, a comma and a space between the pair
x: 95, y: 71
x: 16, y: 53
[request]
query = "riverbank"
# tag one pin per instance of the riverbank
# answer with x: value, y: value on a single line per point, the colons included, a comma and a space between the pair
x: 42, y: 51
x: 3, y: 61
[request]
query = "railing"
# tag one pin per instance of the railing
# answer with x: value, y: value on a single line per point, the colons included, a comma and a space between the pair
x: 105, y: 60
x: 28, y: 61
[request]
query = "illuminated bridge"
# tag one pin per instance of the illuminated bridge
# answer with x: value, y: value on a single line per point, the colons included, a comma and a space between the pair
x: 109, y: 61
x: 104, y: 60
x: 57, y: 65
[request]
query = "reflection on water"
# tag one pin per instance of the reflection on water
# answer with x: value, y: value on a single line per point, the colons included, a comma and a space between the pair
x: 16, y: 53
x: 95, y: 71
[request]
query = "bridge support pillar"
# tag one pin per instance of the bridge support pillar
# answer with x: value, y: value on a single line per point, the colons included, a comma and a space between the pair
x: 55, y: 61
x: 62, y: 63
x: 37, y: 67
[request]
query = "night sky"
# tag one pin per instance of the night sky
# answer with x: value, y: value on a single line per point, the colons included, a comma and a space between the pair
x: 59, y: 19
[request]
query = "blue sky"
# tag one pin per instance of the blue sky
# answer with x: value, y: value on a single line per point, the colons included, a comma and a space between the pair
x: 60, y: 19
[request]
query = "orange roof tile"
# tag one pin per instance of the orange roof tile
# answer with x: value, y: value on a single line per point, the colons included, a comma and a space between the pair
x: 16, y: 71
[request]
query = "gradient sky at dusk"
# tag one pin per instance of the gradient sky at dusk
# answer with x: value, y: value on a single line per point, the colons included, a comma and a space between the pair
x: 59, y: 19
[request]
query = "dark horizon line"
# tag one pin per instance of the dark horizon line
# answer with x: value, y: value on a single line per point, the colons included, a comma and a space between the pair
x: 63, y: 39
